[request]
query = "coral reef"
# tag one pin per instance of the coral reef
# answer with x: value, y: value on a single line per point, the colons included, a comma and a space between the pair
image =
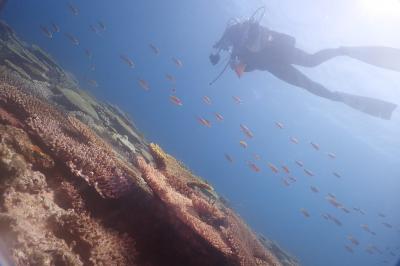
x: 71, y: 141
x: 223, y: 230
x: 80, y: 185
x: 38, y: 231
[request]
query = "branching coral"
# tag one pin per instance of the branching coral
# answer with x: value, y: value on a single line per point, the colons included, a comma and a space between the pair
x: 19, y: 140
x: 223, y: 230
x: 208, y: 212
x: 181, y: 206
x: 71, y: 142
x: 7, y: 118
x: 97, y: 246
x: 247, y: 248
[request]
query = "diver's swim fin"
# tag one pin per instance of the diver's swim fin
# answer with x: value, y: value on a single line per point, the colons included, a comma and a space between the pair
x: 380, y: 56
x: 371, y: 106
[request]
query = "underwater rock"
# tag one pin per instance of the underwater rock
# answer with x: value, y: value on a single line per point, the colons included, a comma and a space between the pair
x: 78, y: 103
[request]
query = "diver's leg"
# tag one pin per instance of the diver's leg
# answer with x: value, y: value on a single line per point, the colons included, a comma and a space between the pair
x: 367, y: 105
x: 294, y: 77
x: 380, y: 56
x: 301, y: 58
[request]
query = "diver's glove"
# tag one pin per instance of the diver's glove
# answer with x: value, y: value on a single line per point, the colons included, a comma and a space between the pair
x: 214, y: 59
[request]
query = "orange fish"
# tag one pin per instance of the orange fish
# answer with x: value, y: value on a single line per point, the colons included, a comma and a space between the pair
x: 285, y: 182
x: 344, y: 209
x: 305, y: 212
x: 388, y: 225
x: 237, y: 100
x: 243, y: 144
x: 219, y: 117
x: 315, y: 146
x: 207, y: 100
x: 240, y: 69
x: 175, y: 100
x: 336, y: 174
x: 257, y: 157
x: 279, y: 125
x: 273, y: 168
x: 177, y: 62
x: 366, y: 228
x: 246, y: 131
x: 93, y: 83
x: 254, y: 167
x: 308, y: 172
x: 55, y: 27
x: 325, y: 216
x: 334, y: 202
x: 314, y: 189
x: 331, y: 196
x: 336, y: 221
x: 144, y: 84
x: 127, y: 60
x: 376, y: 249
x: 294, y: 140
x: 94, y: 29
x: 369, y: 250
x: 72, y: 38
x: 154, y: 49
x: 359, y: 210
x: 332, y: 155
x: 170, y: 78
x: 228, y: 158
x: 204, y: 122
x: 102, y: 26
x: 46, y: 32
x: 299, y: 163
x: 286, y: 169
x: 353, y: 240
x: 349, y: 249
x: 74, y: 10
x: 88, y: 53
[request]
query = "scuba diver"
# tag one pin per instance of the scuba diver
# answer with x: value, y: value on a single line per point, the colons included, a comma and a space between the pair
x: 255, y: 47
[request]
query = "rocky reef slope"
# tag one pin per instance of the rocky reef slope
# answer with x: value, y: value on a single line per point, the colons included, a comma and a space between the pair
x: 79, y: 184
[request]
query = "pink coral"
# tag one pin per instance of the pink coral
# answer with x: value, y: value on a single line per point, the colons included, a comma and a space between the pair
x: 181, y: 206
x: 71, y: 142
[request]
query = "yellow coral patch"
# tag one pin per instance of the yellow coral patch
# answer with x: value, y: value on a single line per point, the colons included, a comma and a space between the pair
x: 159, y: 155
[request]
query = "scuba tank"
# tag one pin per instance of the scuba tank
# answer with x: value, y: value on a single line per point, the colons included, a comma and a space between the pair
x: 224, y: 43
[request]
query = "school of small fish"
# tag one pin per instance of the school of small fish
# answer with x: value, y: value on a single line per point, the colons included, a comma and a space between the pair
x: 350, y: 242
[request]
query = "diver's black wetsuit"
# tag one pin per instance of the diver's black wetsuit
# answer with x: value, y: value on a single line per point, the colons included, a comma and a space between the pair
x: 278, y: 55
x: 278, y: 58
